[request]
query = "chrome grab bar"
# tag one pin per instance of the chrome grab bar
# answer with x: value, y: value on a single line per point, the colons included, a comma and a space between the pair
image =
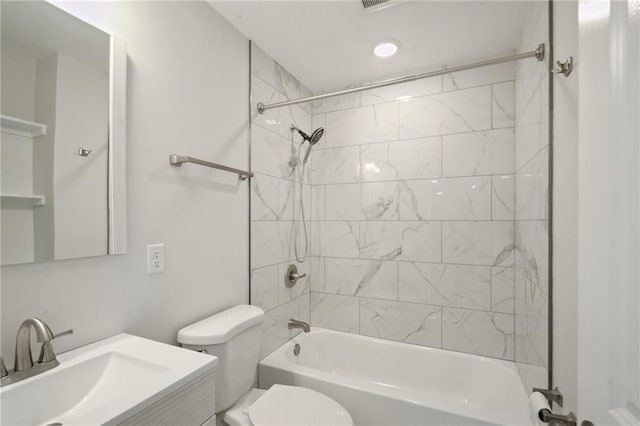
x: 178, y: 160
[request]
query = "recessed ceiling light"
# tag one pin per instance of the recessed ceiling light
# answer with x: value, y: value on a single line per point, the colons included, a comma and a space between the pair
x: 386, y: 49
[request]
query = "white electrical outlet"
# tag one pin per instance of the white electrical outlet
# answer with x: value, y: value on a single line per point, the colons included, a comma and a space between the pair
x: 155, y: 258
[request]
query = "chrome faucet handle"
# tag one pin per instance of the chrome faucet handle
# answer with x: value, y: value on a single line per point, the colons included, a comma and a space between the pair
x: 46, y: 352
x: 3, y: 369
x: 291, y: 276
x: 24, y: 360
x: 63, y: 333
x: 25, y: 367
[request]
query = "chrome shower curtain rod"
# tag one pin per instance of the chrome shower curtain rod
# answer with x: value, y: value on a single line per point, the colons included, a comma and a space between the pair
x: 538, y: 54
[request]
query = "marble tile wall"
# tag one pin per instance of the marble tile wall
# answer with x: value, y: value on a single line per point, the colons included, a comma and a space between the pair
x: 413, y: 213
x: 428, y: 204
x: 272, y: 198
x: 532, y: 204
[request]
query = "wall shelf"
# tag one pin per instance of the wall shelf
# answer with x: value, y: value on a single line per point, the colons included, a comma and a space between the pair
x: 27, y: 199
x: 20, y: 127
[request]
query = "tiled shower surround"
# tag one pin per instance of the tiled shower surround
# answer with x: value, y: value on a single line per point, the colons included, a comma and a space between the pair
x: 413, y: 206
x: 272, y: 200
x: 413, y: 213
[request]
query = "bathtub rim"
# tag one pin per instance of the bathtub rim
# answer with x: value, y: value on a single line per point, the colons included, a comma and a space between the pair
x: 278, y: 360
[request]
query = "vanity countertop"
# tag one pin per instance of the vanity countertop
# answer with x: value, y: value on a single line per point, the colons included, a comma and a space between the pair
x: 105, y: 382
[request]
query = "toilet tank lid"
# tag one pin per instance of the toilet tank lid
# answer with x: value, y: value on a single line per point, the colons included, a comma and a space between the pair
x: 221, y: 327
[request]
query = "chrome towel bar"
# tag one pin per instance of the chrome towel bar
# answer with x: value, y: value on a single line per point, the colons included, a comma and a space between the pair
x: 178, y: 160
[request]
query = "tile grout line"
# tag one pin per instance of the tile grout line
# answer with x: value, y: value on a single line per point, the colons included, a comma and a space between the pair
x: 441, y: 327
x: 390, y: 221
x: 406, y: 302
x: 417, y: 138
x: 438, y: 93
x: 284, y: 95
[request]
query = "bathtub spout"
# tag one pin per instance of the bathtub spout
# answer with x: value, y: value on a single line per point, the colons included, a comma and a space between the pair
x: 293, y: 323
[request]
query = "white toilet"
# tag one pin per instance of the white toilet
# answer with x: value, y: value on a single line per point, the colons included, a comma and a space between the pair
x: 234, y: 337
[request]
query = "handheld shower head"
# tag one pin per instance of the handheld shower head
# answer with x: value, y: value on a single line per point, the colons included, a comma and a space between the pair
x: 299, y: 219
x: 315, y: 135
x: 305, y: 136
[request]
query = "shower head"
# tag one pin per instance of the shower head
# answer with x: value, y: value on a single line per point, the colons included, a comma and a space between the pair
x: 315, y: 136
x: 313, y: 139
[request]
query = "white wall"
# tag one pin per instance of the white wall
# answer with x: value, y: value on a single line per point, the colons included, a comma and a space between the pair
x: 609, y: 212
x: 187, y: 93
x: 565, y: 204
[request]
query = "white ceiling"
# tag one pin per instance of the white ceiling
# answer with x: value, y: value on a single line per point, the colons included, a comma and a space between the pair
x: 328, y: 44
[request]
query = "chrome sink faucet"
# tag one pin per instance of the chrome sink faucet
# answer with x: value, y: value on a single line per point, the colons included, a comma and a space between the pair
x: 3, y: 369
x: 293, y: 323
x: 25, y: 366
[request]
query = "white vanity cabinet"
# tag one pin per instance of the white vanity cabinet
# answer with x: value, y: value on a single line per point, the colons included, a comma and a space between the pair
x: 121, y: 380
x: 192, y: 404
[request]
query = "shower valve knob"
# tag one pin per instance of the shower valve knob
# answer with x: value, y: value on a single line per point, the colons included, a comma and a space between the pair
x: 291, y: 277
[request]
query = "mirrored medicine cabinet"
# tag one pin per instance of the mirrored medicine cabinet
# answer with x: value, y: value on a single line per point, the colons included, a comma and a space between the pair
x: 63, y: 192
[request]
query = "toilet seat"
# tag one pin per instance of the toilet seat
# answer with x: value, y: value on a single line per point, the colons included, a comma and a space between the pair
x: 286, y: 406
x: 293, y: 406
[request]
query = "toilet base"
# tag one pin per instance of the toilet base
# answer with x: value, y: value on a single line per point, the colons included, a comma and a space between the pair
x: 237, y: 414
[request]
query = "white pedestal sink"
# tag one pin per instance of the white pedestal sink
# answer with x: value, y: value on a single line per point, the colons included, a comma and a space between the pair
x: 106, y: 382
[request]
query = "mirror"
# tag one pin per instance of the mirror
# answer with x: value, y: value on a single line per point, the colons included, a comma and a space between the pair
x: 63, y: 136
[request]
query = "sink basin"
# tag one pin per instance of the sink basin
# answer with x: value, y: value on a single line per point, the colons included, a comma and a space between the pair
x: 105, y: 382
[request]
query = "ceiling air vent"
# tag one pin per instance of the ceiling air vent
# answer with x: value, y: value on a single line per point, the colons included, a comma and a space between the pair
x: 374, y: 5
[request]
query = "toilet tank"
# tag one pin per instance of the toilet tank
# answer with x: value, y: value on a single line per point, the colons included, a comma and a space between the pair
x: 234, y: 337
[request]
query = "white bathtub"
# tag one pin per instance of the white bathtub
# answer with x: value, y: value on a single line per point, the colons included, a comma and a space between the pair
x: 389, y: 383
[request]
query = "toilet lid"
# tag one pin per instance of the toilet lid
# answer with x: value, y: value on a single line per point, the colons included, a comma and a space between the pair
x: 294, y: 406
